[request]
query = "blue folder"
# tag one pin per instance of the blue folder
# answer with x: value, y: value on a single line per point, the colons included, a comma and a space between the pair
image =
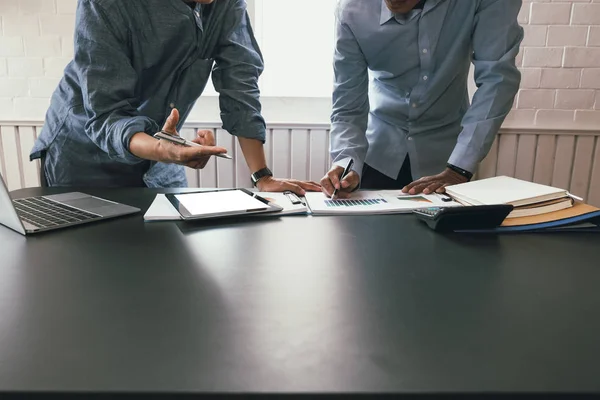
x: 565, y: 225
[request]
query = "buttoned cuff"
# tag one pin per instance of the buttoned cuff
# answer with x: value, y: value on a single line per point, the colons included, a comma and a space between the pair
x: 356, y: 167
x: 465, y: 158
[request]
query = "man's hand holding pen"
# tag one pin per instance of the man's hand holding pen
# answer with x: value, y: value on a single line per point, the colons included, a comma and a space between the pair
x: 340, y: 182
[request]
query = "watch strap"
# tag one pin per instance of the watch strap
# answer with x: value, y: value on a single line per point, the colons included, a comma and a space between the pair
x: 460, y: 171
x: 261, y: 173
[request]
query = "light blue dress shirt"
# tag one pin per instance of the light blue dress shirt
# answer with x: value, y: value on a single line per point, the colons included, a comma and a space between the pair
x: 134, y: 61
x: 401, y: 83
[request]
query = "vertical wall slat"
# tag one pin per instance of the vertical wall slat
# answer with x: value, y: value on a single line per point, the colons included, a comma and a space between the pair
x: 208, y: 175
x: 299, y: 154
x: 582, y: 166
x: 281, y: 153
x: 487, y: 168
x: 507, y: 155
x: 319, y: 154
x: 593, y: 196
x: 3, y: 166
x: 327, y: 157
x: 563, y: 162
x: 10, y: 150
x: 544, y: 159
x: 525, y: 157
x: 242, y: 172
x: 31, y: 174
x: 225, y: 168
x: 20, y: 159
x: 192, y: 175
x: 269, y: 147
x: 38, y: 164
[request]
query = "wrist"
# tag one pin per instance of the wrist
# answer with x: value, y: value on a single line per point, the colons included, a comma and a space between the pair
x: 467, y: 175
x: 262, y: 182
x: 260, y: 175
x: 145, y: 146
x: 159, y: 152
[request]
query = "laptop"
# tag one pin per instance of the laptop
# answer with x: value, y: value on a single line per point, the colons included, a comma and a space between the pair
x: 44, y: 213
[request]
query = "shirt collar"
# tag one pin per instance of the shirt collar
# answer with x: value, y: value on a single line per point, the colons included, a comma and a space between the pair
x: 386, y: 14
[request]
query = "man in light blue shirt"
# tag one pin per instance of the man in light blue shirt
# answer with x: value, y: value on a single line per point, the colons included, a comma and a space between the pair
x: 140, y: 66
x: 401, y: 108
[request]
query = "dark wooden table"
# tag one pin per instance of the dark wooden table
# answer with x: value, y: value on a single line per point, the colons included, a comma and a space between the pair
x: 319, y: 304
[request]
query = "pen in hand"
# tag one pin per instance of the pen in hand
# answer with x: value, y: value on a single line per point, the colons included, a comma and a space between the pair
x: 184, y: 142
x: 342, y: 176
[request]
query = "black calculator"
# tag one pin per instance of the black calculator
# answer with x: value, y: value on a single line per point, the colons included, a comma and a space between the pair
x: 447, y: 219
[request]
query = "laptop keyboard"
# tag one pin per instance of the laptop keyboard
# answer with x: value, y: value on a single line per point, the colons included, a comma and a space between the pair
x: 45, y: 213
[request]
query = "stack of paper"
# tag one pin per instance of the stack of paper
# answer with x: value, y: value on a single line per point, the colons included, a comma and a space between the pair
x: 579, y: 218
x: 528, y: 198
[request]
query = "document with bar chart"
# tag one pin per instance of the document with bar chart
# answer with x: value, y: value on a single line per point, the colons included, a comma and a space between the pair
x: 374, y: 202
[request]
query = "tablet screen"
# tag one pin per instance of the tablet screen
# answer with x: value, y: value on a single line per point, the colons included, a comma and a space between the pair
x: 219, y: 202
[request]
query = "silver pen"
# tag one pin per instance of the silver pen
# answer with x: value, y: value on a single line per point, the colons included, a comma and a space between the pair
x: 293, y: 198
x: 184, y: 142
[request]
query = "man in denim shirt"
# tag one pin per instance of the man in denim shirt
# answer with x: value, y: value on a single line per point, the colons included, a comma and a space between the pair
x: 139, y: 66
x: 400, y: 104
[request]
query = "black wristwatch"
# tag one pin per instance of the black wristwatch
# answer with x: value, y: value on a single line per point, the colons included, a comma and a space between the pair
x: 460, y: 171
x: 261, y: 173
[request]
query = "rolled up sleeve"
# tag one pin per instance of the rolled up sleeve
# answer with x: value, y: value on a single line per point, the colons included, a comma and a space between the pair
x: 350, y: 111
x: 238, y: 65
x: 496, y: 39
x: 108, y: 81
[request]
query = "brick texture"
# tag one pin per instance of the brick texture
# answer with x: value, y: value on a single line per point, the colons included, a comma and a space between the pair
x: 562, y: 43
x: 559, y: 60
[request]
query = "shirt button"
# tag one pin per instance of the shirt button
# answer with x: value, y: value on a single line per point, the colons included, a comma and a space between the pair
x: 425, y: 77
x: 172, y: 105
x: 414, y: 105
x: 425, y: 51
x: 410, y: 138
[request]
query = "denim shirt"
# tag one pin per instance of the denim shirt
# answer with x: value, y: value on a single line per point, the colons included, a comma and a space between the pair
x: 401, y: 83
x: 135, y: 60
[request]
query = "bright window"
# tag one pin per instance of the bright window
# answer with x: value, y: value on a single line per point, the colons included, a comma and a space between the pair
x: 296, y: 39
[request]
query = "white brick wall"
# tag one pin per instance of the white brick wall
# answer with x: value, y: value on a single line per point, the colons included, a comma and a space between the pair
x: 559, y: 60
x: 36, y: 41
x: 562, y: 45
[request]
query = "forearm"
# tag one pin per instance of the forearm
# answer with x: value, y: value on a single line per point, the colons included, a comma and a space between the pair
x: 145, y: 146
x: 496, y: 40
x: 498, y: 84
x: 254, y: 153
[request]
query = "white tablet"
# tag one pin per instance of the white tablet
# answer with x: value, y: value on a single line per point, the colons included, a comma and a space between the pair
x: 220, y: 203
